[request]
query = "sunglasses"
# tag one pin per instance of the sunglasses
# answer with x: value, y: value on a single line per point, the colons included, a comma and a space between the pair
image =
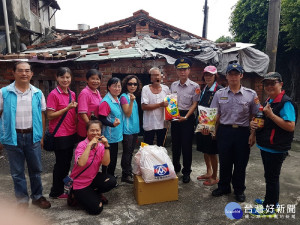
x: 273, y: 83
x: 130, y: 84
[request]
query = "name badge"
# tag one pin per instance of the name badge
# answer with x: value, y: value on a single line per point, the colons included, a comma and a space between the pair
x: 224, y: 98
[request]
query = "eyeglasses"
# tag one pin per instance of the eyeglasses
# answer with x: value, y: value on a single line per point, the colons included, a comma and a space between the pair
x: 270, y: 83
x: 130, y: 84
x: 22, y: 71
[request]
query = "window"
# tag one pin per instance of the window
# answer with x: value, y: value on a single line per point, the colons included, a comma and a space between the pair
x: 34, y: 7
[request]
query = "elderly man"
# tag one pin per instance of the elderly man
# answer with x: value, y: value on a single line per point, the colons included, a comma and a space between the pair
x: 236, y: 107
x: 182, y: 130
x: 274, y: 139
x: 22, y: 109
x: 153, y: 106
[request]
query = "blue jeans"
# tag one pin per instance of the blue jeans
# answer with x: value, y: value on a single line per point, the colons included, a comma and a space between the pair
x: 31, y: 152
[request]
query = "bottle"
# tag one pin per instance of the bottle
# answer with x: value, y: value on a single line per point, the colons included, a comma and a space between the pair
x: 259, y: 117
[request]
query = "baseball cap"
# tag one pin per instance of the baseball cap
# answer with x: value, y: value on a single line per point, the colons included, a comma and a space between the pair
x: 273, y: 76
x: 210, y: 69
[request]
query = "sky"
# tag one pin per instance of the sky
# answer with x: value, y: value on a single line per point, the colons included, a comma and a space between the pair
x: 184, y: 14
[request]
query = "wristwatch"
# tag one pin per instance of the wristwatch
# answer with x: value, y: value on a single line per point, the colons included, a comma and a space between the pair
x: 185, y: 117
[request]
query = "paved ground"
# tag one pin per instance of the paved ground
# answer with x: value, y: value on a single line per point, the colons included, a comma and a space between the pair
x: 195, y: 204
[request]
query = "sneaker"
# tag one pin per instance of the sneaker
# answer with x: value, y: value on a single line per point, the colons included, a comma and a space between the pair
x: 42, y: 203
x: 259, y: 201
x: 261, y: 212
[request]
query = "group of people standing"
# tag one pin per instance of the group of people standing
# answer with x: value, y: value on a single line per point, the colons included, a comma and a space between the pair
x: 100, y: 124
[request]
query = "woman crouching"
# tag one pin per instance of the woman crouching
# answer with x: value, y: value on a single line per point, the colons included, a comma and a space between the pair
x: 90, y: 154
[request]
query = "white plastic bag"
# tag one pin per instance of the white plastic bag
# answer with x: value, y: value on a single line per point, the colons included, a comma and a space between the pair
x: 136, y: 165
x: 155, y: 164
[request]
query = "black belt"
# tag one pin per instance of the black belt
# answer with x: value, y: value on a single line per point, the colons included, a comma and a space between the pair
x: 233, y: 126
x: 24, y: 131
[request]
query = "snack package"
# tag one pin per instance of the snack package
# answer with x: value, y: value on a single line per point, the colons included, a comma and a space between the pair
x: 207, y: 119
x: 171, y: 111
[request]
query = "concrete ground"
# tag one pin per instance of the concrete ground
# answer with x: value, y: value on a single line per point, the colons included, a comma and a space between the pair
x: 195, y: 204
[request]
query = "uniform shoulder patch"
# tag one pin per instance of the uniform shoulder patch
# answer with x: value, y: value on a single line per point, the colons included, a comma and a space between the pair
x: 256, y: 100
x: 197, y: 91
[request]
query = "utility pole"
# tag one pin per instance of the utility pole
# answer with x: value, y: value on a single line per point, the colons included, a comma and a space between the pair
x: 205, y: 10
x: 272, y: 32
x: 6, y: 26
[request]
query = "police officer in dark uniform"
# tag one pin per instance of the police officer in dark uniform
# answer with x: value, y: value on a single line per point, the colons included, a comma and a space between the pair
x: 182, y: 130
x: 236, y: 107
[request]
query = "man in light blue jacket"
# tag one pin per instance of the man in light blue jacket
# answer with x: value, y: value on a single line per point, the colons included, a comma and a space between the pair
x: 22, y: 127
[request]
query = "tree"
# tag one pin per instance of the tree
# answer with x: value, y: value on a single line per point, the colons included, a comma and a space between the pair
x: 224, y: 39
x: 248, y: 23
x: 290, y: 23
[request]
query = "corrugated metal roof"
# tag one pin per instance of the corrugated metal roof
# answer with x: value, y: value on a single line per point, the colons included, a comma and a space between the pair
x: 113, y: 54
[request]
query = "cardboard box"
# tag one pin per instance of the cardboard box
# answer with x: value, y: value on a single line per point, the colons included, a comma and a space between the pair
x: 149, y: 193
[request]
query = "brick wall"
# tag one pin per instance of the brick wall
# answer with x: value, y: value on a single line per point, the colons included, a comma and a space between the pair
x: 44, y: 74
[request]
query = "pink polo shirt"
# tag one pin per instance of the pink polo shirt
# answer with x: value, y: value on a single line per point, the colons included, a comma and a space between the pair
x: 88, y: 101
x: 86, y: 178
x: 56, y: 101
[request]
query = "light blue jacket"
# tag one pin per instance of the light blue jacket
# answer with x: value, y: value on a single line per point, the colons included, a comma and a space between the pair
x: 8, y: 134
x: 132, y: 123
x: 113, y: 134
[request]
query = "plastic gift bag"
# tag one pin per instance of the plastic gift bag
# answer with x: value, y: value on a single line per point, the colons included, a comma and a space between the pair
x: 136, y: 164
x: 155, y: 164
x: 171, y: 111
x: 137, y: 158
x: 207, y: 119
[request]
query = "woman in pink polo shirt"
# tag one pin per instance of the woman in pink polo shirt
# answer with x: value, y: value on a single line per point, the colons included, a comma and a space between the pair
x: 88, y: 102
x: 88, y: 183
x: 58, y: 102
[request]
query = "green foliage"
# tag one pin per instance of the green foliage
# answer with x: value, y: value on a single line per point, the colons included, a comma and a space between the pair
x: 290, y: 23
x: 224, y: 39
x: 248, y: 22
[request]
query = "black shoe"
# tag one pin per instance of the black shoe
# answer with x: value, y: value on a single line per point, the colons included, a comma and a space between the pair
x: 186, y: 178
x: 219, y: 192
x: 127, y: 179
x: 240, y: 198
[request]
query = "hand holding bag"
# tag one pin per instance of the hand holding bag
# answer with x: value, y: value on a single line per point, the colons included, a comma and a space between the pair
x: 49, y: 138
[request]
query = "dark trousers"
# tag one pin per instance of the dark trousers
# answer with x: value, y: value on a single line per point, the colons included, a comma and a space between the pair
x: 272, y: 165
x: 182, y: 139
x: 234, y: 153
x: 90, y: 197
x: 129, y: 143
x: 160, y: 136
x: 63, y: 158
x: 110, y: 169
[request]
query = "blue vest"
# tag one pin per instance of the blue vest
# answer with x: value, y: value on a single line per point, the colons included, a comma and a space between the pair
x: 8, y: 134
x: 113, y: 134
x: 132, y: 123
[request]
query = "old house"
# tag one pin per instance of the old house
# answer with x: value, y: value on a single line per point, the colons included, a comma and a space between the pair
x: 132, y: 46
x: 29, y: 22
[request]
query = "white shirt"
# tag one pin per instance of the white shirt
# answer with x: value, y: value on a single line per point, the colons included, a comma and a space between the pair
x: 24, y: 109
x: 154, y: 119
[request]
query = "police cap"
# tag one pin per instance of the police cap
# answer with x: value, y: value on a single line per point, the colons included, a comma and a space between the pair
x: 183, y: 63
